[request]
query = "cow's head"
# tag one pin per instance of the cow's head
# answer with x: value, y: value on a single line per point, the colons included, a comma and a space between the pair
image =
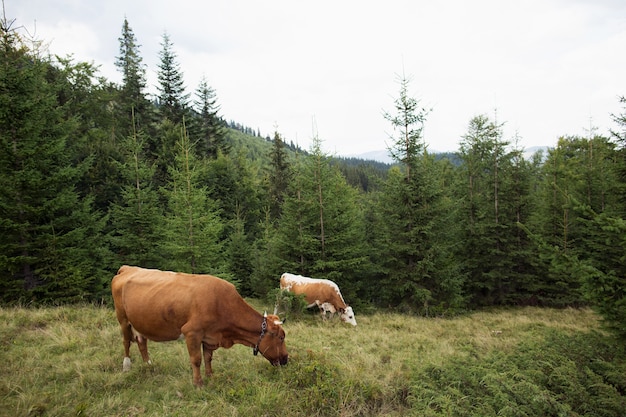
x: 272, y: 341
x: 347, y: 315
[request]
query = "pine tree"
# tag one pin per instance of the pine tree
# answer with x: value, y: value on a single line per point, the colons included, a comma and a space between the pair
x: 172, y: 98
x: 620, y: 137
x: 193, y: 227
x: 134, y: 105
x: 408, y: 121
x: 208, y: 126
x: 137, y: 221
x: 279, y: 176
x: 418, y: 272
x: 602, y: 254
x: 481, y: 152
x: 322, y: 231
x: 502, y: 263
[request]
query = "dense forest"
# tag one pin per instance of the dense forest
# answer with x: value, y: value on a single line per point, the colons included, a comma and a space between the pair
x: 96, y: 174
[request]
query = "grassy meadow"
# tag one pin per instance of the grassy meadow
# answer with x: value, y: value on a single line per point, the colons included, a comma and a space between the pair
x: 67, y: 361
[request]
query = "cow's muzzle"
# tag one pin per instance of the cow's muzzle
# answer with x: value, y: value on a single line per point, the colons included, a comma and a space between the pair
x: 281, y: 361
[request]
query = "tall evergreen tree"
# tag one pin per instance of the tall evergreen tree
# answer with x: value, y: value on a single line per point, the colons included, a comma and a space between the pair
x: 137, y: 221
x: 50, y: 236
x: 193, y: 227
x: 494, y: 193
x: 603, y: 253
x: 419, y: 273
x: 135, y: 106
x: 602, y: 270
x: 279, y: 176
x: 481, y: 153
x: 408, y: 121
x: 322, y: 231
x: 208, y: 127
x: 619, y: 135
x: 173, y: 100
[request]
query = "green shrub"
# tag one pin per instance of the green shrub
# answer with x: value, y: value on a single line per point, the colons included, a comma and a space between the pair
x: 287, y: 303
x: 562, y: 375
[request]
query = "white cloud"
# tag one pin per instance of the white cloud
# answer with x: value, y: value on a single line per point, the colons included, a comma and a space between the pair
x: 547, y: 66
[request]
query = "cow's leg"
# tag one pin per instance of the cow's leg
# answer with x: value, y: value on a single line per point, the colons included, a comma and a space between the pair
x: 127, y: 334
x: 142, y: 344
x: 207, y: 350
x: 322, y: 310
x: 194, y: 344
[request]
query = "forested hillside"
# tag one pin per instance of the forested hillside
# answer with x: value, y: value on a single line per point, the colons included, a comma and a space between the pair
x: 95, y: 175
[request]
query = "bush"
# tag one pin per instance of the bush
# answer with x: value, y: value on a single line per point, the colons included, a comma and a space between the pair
x: 287, y: 303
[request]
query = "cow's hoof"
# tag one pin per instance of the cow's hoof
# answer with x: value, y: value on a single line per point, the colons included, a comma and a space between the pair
x: 126, y: 364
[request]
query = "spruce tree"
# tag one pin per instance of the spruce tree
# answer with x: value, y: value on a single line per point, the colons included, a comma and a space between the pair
x: 408, y: 122
x: 481, y: 153
x: 418, y: 272
x: 172, y: 99
x: 619, y: 135
x: 601, y: 252
x: 135, y: 107
x: 208, y: 127
x: 602, y: 270
x: 137, y: 221
x: 321, y: 232
x: 279, y: 176
x: 193, y: 227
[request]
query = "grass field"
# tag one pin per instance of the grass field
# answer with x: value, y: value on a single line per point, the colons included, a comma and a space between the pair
x: 67, y: 361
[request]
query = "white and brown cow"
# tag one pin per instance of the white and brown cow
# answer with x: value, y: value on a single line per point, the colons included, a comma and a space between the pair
x: 207, y: 311
x: 322, y: 293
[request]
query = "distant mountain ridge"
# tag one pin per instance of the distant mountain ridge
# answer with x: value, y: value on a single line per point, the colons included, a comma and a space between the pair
x: 382, y: 155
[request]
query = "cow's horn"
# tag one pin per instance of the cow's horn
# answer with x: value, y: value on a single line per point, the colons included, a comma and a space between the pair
x: 265, y: 313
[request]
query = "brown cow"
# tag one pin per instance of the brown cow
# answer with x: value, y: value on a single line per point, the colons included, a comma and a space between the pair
x: 323, y: 293
x: 207, y: 311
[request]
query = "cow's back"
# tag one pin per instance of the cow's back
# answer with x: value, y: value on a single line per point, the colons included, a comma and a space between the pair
x: 315, y: 290
x: 158, y: 303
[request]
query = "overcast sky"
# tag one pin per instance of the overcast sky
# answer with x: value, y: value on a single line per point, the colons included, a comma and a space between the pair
x: 545, y: 68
